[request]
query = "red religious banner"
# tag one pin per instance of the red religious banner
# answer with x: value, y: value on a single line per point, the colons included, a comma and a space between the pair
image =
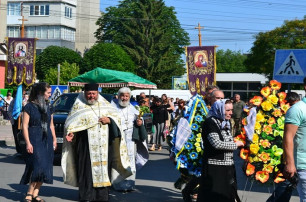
x: 201, y: 68
x: 20, y: 65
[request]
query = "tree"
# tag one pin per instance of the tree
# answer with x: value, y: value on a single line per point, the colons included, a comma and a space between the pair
x: 53, y: 55
x: 230, y: 61
x: 150, y: 33
x: 67, y: 72
x: 108, y: 56
x: 291, y: 35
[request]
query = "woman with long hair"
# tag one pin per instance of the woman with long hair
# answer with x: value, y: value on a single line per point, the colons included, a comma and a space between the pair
x: 39, y: 134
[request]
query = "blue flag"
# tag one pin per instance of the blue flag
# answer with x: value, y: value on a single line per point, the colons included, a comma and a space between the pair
x: 17, y: 103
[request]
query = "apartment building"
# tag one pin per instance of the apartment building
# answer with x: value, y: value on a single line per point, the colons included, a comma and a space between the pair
x: 55, y: 22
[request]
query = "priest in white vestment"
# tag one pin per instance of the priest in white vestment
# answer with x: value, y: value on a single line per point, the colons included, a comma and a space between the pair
x: 94, y: 152
x: 135, y: 136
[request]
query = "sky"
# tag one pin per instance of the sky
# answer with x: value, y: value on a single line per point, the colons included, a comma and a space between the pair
x: 230, y: 24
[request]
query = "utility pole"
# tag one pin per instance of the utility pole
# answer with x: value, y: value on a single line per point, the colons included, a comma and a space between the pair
x: 199, y: 28
x: 58, y: 73
x: 22, y: 22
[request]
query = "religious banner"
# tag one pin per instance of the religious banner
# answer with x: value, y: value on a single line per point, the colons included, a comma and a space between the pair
x: 201, y: 68
x: 20, y: 65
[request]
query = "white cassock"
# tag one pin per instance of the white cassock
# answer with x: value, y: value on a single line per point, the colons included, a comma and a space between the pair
x: 128, y: 116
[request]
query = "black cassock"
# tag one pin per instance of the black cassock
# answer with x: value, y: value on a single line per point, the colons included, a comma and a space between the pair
x: 84, y: 172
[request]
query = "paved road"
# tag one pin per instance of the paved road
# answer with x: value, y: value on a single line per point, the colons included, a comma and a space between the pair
x: 154, y: 182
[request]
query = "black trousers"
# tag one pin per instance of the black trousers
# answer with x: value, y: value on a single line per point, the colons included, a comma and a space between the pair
x: 15, y: 133
x: 86, y: 189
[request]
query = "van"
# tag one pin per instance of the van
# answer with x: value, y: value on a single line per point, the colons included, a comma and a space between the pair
x: 182, y: 94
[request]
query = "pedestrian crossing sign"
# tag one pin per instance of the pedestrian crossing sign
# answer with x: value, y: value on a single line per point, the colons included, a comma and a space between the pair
x: 56, y: 91
x: 290, y: 66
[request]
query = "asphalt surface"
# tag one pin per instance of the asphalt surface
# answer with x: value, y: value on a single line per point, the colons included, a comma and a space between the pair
x: 154, y: 181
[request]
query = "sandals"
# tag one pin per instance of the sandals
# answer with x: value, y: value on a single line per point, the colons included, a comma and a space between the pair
x: 35, y: 199
x: 28, y: 200
x: 152, y: 148
x: 160, y: 148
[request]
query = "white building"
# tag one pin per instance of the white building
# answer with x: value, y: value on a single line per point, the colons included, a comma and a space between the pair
x: 244, y: 84
x: 54, y: 22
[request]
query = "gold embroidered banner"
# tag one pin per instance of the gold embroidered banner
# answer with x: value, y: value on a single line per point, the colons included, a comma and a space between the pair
x: 201, y: 68
x: 20, y: 65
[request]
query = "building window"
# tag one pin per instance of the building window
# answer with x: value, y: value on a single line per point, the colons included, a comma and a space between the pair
x: 67, y: 34
x: 68, y: 12
x: 39, y: 51
x: 14, y: 9
x: 30, y: 32
x: 39, y: 10
x: 13, y: 31
x: 47, y: 32
x: 246, y: 90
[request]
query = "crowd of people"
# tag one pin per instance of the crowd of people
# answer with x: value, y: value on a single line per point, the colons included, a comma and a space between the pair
x: 106, y: 143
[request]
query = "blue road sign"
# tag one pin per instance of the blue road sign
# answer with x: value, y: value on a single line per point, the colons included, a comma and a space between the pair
x: 290, y: 65
x: 56, y: 91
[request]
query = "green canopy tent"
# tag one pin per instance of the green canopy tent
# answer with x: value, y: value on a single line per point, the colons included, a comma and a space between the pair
x: 107, y: 78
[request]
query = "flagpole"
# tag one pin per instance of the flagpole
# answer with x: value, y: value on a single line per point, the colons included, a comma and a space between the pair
x: 21, y: 36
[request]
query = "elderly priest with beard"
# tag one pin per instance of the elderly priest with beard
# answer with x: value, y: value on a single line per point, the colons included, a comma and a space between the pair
x: 135, y: 136
x: 94, y: 151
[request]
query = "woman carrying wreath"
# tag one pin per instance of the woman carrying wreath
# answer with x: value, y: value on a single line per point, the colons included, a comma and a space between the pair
x: 218, y: 178
x: 39, y: 135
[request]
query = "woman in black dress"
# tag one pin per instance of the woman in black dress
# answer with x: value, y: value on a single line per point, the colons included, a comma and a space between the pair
x: 39, y: 134
x: 218, y: 178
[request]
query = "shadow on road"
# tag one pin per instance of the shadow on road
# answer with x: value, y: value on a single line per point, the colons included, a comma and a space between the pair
x: 146, y: 194
x: 154, y: 171
x: 13, y: 195
x: 14, y: 159
x: 48, y: 191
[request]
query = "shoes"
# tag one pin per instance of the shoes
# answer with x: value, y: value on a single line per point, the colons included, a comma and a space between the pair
x: 160, y: 148
x: 186, y: 196
x: 195, y: 196
x: 36, y: 200
x: 152, y: 148
x: 28, y: 200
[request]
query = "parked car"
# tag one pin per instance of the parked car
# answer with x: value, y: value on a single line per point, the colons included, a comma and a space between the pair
x: 60, y: 107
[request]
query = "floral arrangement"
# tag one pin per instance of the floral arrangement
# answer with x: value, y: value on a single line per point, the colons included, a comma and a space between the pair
x: 142, y: 110
x: 189, y: 159
x: 264, y: 153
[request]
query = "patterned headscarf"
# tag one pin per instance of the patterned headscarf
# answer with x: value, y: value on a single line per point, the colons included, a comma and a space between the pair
x: 218, y: 111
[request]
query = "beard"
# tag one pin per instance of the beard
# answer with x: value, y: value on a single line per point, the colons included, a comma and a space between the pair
x: 91, y: 102
x: 123, y: 103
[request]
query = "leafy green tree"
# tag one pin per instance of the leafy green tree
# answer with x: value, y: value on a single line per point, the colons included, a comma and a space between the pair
x: 230, y: 61
x: 53, y: 55
x: 150, y: 33
x: 108, y: 56
x: 291, y: 35
x: 67, y: 72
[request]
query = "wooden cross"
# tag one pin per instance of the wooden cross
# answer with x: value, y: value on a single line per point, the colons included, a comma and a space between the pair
x: 22, y: 24
x: 199, y: 28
